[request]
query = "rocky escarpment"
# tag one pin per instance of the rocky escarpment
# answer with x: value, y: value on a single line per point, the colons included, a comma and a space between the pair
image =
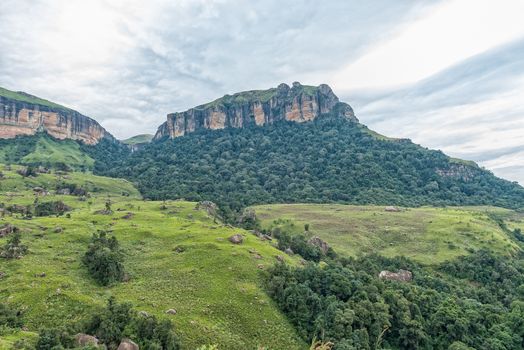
x: 298, y: 103
x: 23, y: 114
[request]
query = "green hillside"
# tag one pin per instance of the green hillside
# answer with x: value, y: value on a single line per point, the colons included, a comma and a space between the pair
x: 138, y: 139
x: 328, y: 160
x: 44, y: 150
x: 24, y: 97
x: 177, y: 257
x: 426, y: 234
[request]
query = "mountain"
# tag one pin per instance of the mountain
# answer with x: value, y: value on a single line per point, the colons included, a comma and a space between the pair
x: 24, y: 114
x: 307, y: 146
x: 298, y: 103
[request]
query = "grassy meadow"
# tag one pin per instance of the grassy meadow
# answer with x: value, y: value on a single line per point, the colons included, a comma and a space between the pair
x: 427, y: 234
x: 177, y: 257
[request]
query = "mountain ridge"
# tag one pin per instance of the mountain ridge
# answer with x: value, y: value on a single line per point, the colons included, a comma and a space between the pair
x: 298, y: 103
x: 25, y: 114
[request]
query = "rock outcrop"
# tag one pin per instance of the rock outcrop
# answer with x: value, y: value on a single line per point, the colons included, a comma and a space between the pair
x: 401, y: 275
x: 298, y: 103
x: 23, y: 114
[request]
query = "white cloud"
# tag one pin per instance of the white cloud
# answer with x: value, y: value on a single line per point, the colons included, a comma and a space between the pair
x: 449, y: 33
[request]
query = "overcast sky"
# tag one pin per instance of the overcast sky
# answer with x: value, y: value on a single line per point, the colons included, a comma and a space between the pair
x: 448, y: 74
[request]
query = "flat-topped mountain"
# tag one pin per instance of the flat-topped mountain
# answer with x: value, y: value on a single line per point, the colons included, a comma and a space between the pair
x: 299, y: 103
x: 24, y: 114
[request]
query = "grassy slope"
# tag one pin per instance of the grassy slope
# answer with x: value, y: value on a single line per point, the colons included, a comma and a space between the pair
x: 143, y: 138
x: 214, y: 285
x: 66, y: 152
x: 22, y: 97
x: 50, y: 152
x: 428, y: 235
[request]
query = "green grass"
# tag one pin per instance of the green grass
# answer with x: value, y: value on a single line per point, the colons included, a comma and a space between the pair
x: 42, y: 149
x: 23, y: 97
x: 143, y: 138
x: 215, y: 286
x: 428, y: 235
x: 49, y: 151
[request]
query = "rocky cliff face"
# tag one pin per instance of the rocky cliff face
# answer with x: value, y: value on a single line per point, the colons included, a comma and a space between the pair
x: 298, y: 103
x: 21, y: 117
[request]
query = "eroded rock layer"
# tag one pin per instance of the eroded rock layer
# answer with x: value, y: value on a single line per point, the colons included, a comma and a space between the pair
x: 260, y: 107
x: 23, y: 118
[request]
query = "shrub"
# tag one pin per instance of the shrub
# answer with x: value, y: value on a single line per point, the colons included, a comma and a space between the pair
x: 14, y: 249
x: 103, y: 259
x: 51, y: 208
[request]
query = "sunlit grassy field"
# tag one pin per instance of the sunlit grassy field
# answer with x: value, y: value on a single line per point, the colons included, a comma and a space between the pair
x: 176, y: 256
x: 428, y: 235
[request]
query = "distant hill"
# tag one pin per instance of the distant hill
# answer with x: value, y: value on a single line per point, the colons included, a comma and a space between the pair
x: 138, y: 139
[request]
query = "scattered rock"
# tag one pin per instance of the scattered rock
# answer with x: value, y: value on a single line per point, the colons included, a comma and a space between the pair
x: 280, y: 258
x: 128, y: 216
x: 289, y: 251
x: 236, y: 239
x: 42, y: 274
x: 83, y: 340
x: 63, y: 191
x: 171, y: 312
x: 318, y: 242
x: 248, y: 217
x: 58, y: 229
x: 2, y: 274
x: 267, y: 238
x: 210, y: 207
x: 127, y: 344
x: 257, y: 256
x: 260, y: 266
x: 401, y: 275
x: 143, y: 314
x: 392, y: 209
x: 7, y: 229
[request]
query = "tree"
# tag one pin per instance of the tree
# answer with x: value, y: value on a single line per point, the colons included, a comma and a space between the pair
x: 104, y: 259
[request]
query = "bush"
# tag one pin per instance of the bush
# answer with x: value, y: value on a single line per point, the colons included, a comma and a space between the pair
x: 51, y: 208
x: 104, y: 260
x: 14, y: 249
x: 118, y: 321
x: 9, y: 317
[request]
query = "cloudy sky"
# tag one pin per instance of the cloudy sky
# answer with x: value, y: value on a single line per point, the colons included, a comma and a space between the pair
x: 448, y: 74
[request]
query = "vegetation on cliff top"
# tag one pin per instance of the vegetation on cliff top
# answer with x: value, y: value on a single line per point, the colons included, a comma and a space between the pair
x: 27, y: 98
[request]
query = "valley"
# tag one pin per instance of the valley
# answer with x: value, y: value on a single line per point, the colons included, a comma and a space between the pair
x: 265, y: 220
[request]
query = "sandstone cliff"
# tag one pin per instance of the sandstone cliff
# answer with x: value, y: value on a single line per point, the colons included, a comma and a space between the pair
x: 23, y: 114
x: 298, y: 103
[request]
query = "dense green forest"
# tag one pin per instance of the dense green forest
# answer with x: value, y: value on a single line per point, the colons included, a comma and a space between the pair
x: 475, y: 302
x: 324, y: 161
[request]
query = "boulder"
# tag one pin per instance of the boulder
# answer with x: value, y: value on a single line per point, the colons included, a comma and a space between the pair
x: 171, y: 312
x: 289, y: 251
x: 210, y: 207
x: 236, y: 239
x: 280, y: 258
x: 318, y: 242
x: 127, y: 344
x: 392, y: 209
x: 401, y: 275
x: 7, y: 229
x: 82, y: 340
x: 58, y: 229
